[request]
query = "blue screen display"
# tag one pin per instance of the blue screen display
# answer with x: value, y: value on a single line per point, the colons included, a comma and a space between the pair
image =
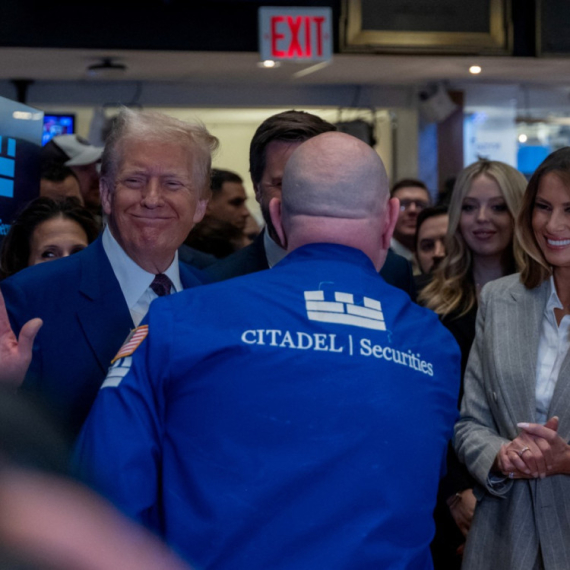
x: 55, y: 125
x: 529, y: 157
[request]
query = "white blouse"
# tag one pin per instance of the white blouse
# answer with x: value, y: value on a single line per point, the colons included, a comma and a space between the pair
x: 552, y: 348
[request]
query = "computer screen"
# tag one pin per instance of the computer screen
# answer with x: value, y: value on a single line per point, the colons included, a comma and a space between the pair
x: 55, y: 125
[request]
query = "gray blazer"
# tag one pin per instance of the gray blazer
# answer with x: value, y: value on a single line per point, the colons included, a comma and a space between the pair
x: 512, y: 519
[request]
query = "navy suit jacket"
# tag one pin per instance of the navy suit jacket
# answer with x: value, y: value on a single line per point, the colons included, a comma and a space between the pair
x: 396, y: 270
x: 86, y: 320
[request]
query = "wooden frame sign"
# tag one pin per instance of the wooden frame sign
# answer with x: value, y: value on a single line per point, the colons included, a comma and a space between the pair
x: 426, y: 26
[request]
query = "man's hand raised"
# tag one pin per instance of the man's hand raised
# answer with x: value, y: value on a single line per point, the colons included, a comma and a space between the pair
x: 15, y: 353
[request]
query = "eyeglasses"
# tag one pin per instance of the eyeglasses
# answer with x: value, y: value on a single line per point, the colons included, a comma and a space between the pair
x: 419, y: 204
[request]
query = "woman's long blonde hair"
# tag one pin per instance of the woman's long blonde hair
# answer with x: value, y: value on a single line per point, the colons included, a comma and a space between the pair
x: 452, y: 289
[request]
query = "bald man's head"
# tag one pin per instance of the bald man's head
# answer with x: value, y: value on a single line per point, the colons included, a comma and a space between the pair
x: 334, y: 175
x: 335, y: 190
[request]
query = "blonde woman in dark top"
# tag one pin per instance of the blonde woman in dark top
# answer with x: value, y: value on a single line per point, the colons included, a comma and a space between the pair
x: 481, y: 247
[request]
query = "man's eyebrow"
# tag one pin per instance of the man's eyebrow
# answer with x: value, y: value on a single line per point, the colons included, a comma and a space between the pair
x: 134, y: 170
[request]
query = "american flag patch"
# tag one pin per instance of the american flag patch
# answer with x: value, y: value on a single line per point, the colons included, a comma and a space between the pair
x: 132, y: 343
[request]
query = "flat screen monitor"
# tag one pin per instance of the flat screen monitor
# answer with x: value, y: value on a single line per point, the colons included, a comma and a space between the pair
x: 55, y: 125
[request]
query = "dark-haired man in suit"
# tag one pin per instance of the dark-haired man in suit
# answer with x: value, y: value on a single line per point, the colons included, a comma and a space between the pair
x: 272, y: 145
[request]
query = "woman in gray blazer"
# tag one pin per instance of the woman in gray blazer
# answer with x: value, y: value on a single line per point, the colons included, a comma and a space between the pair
x: 515, y: 414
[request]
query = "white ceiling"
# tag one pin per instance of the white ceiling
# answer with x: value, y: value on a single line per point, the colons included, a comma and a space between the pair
x: 217, y: 67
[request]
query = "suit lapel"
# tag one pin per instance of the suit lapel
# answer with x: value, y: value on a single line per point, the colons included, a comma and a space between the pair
x: 102, y: 312
x: 190, y: 277
x: 560, y: 398
x: 522, y: 333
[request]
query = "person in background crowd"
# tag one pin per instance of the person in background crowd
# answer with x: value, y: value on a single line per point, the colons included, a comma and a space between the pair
x: 258, y: 430
x: 481, y: 247
x: 515, y: 420
x: 46, y: 230
x: 59, y: 181
x: 272, y: 145
x: 155, y: 184
x: 227, y: 203
x: 83, y: 159
x: 221, y: 231
x: 430, y: 238
x: 414, y: 197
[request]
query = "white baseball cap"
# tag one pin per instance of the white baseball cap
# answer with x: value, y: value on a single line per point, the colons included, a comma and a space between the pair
x: 74, y: 150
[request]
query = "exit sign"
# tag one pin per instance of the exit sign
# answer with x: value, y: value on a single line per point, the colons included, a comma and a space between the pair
x: 296, y: 34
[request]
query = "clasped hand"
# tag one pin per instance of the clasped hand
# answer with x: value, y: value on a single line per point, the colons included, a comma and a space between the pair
x: 538, y: 451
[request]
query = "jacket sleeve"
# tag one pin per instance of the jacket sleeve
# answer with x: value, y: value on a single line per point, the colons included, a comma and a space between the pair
x: 477, y: 440
x: 119, y: 448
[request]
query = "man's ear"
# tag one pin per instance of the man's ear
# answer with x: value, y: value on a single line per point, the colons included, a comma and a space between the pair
x: 201, y: 206
x: 275, y: 213
x: 105, y: 193
x: 392, y: 213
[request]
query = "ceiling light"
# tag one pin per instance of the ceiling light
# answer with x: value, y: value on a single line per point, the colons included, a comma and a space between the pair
x: 475, y: 69
x: 268, y: 64
x: 523, y: 138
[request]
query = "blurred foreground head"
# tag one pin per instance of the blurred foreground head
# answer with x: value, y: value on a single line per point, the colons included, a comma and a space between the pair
x: 48, y: 521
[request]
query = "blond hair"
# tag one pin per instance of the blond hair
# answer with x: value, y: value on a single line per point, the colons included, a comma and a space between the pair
x: 452, y: 289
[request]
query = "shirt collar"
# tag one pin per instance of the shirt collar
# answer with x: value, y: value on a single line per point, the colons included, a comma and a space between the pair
x: 553, y: 300
x: 274, y: 252
x: 400, y: 249
x: 340, y: 254
x: 133, y: 279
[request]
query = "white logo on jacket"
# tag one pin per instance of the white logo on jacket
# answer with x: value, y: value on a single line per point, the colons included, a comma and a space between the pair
x: 344, y: 311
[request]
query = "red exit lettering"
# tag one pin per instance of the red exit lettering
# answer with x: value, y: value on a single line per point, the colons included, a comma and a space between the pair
x: 296, y: 25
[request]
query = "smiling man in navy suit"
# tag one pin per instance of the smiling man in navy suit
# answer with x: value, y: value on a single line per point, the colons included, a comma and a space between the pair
x: 155, y: 175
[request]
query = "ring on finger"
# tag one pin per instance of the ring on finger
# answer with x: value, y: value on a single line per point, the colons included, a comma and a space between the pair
x: 523, y: 450
x: 511, y: 475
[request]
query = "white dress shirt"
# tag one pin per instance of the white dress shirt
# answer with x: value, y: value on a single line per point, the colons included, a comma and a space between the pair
x: 402, y: 250
x: 552, y: 348
x: 273, y: 251
x: 134, y: 280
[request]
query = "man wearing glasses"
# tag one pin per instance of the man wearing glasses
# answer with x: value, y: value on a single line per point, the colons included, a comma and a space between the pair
x: 414, y: 197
